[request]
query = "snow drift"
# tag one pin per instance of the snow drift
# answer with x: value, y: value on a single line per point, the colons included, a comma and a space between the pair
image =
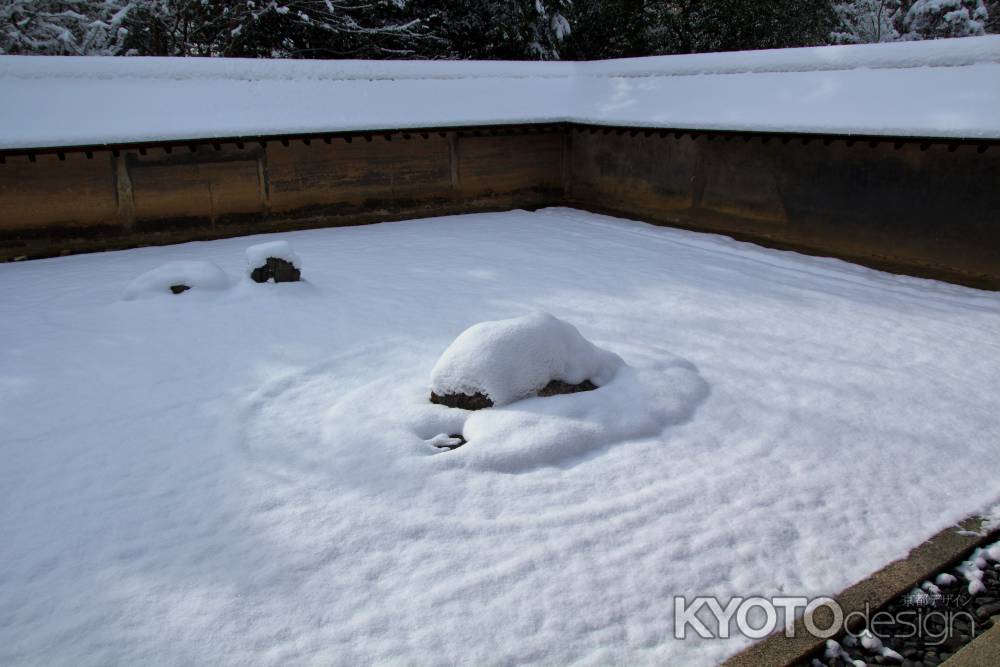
x: 387, y: 426
x: 191, y: 274
x: 507, y: 360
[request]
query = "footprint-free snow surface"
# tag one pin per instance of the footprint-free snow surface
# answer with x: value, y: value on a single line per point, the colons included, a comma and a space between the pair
x: 248, y: 474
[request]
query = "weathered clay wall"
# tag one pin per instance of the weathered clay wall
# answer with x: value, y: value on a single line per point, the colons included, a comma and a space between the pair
x: 929, y: 208
x: 84, y: 200
x: 933, y: 208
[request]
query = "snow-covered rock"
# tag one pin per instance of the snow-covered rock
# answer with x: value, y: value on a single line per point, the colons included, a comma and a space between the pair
x: 274, y: 259
x: 507, y: 360
x: 259, y: 254
x: 945, y: 579
x: 172, y: 276
x: 973, y: 568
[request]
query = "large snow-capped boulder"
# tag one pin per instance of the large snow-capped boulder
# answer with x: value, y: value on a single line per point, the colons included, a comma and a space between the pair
x: 178, y: 277
x: 499, y: 362
x: 274, y: 260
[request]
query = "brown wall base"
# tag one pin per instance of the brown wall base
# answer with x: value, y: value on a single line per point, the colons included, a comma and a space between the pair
x: 923, y: 207
x: 60, y: 202
x: 910, y: 207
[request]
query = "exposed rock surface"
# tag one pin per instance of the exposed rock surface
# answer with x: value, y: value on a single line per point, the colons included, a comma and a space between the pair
x: 475, y: 401
x: 478, y: 401
x: 557, y: 387
x: 277, y: 269
x: 274, y: 260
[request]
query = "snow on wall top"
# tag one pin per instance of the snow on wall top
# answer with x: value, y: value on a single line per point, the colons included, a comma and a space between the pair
x: 64, y: 101
x: 942, y: 88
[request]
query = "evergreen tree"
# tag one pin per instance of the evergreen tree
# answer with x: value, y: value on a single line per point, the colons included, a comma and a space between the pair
x: 608, y: 29
x: 484, y: 29
x: 867, y: 21
x: 931, y: 19
x: 51, y: 27
x: 497, y: 29
x: 696, y: 26
x: 277, y: 29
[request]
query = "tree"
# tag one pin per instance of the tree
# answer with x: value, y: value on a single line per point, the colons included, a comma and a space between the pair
x: 496, y: 29
x: 277, y: 29
x: 484, y: 29
x: 931, y: 19
x: 867, y: 21
x: 608, y: 29
x: 172, y: 28
x: 695, y: 26
x: 50, y: 27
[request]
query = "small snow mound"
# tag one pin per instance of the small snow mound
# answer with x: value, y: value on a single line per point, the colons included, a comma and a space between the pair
x: 645, y: 397
x: 170, y: 277
x: 945, y: 579
x: 507, y: 360
x: 257, y: 255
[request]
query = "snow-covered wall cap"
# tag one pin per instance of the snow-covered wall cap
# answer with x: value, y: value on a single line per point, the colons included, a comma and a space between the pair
x: 262, y: 69
x: 50, y: 101
x: 897, y: 55
x: 936, y: 89
x: 942, y: 88
x: 930, y: 53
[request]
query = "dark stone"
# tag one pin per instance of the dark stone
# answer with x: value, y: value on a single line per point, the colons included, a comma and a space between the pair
x: 475, y: 401
x: 277, y: 269
x: 931, y: 648
x: 479, y: 401
x: 457, y: 436
x: 988, y: 610
x: 557, y: 387
x: 177, y: 289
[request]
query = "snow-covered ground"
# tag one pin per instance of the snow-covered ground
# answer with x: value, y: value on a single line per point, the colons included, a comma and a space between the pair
x: 243, y: 475
x: 939, y: 88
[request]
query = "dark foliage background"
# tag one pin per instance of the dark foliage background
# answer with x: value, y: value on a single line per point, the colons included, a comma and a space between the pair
x: 482, y: 29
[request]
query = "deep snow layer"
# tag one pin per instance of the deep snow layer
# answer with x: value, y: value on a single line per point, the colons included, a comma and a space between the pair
x: 941, y: 88
x: 243, y: 475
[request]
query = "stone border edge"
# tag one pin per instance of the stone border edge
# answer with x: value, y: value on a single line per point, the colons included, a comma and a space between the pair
x: 937, y: 553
